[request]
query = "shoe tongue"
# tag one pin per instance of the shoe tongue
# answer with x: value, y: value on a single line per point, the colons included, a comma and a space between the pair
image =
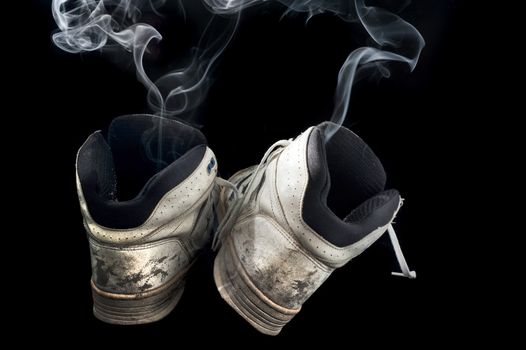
x: 344, y: 169
x: 319, y: 177
x: 157, y: 139
x: 143, y: 145
x: 95, y: 167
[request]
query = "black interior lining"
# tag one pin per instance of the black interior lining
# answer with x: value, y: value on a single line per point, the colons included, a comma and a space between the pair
x: 344, y: 173
x: 124, y: 179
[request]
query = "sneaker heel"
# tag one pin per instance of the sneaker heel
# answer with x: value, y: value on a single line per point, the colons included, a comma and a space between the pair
x: 127, y: 309
x: 242, y: 295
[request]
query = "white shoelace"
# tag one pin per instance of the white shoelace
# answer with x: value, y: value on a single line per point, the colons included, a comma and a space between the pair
x: 406, y: 272
x: 228, y: 221
x: 239, y: 200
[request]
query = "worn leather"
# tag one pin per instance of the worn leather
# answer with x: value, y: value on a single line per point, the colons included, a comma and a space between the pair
x: 282, y: 255
x: 143, y: 258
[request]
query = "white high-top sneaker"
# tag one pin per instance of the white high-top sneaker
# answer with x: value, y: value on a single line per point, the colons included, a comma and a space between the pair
x: 311, y: 206
x: 146, y: 229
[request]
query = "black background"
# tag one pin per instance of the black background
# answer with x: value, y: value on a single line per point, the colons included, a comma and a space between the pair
x: 275, y: 79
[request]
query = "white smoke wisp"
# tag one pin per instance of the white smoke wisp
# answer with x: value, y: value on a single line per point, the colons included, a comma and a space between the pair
x: 91, y: 25
x: 184, y: 89
x: 387, y: 30
x: 397, y: 40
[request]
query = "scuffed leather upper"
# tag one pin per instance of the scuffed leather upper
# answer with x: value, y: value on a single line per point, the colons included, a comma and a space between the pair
x: 283, y: 256
x: 143, y: 258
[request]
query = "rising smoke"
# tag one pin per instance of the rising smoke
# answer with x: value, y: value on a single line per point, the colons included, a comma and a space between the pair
x: 89, y: 25
x: 388, y: 31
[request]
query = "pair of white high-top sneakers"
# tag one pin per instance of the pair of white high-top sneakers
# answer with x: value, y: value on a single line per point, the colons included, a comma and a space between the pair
x: 281, y: 228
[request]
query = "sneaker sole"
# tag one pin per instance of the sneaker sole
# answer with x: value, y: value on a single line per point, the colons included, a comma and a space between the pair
x: 139, y: 308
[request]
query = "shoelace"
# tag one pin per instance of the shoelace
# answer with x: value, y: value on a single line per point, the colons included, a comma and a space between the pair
x: 406, y: 272
x: 228, y: 221
x: 239, y: 200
